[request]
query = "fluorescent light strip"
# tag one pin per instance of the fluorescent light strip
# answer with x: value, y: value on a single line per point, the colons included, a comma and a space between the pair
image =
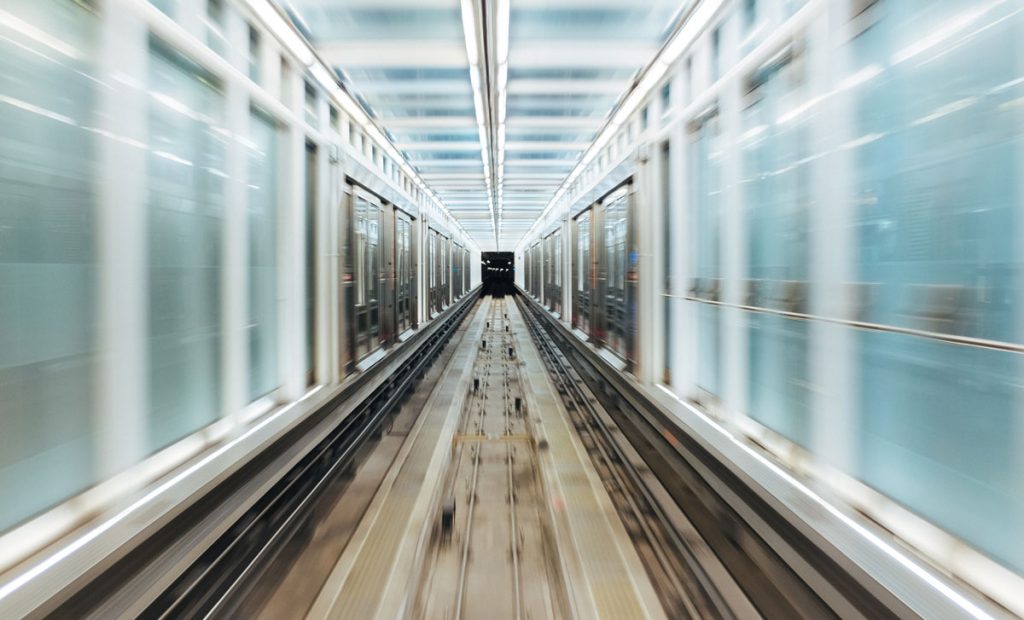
x: 695, y: 24
x: 281, y: 28
x: 469, y: 32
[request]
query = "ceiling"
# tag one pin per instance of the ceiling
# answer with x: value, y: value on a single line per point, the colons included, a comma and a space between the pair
x: 492, y: 101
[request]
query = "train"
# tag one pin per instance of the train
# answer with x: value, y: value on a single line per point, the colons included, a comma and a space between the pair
x: 809, y: 227
x: 198, y: 228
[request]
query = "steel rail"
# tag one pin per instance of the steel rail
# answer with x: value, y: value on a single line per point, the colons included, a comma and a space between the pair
x: 634, y: 498
x: 288, y: 475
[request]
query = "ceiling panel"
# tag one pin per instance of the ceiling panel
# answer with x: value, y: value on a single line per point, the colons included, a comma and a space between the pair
x: 567, y: 64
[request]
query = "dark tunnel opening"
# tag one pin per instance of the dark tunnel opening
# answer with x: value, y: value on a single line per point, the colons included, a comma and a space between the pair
x: 497, y: 271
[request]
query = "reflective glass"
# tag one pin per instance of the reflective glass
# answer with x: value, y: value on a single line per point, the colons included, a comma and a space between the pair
x: 48, y: 203
x: 707, y: 199
x: 938, y: 147
x: 262, y: 325
x: 776, y: 191
x: 185, y: 209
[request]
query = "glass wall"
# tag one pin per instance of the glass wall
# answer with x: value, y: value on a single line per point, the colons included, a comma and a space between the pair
x: 616, y: 231
x: 776, y: 196
x: 706, y: 241
x: 185, y: 209
x: 262, y: 209
x: 48, y: 204
x: 938, y: 149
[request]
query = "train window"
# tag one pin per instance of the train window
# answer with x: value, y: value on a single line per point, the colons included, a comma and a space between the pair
x: 687, y: 86
x: 310, y: 108
x: 616, y: 232
x: 716, y: 52
x: 667, y: 252
x: 215, y: 19
x: 749, y: 12
x: 254, y: 53
x: 372, y: 254
x: 934, y: 172
x: 432, y: 259
x: 705, y: 241
x: 284, y: 92
x: 582, y: 295
x: 262, y: 322
x: 403, y: 250
x: 558, y: 258
x: 48, y: 252
x: 310, y: 189
x: 360, y: 251
x: 185, y: 211
x: 776, y: 173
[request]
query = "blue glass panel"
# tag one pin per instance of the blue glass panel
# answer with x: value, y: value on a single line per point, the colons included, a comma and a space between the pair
x: 185, y: 180
x: 48, y: 204
x: 262, y: 327
x: 938, y: 149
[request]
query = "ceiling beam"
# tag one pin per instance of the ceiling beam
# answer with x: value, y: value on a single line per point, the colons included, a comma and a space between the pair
x: 385, y: 53
x: 571, y: 54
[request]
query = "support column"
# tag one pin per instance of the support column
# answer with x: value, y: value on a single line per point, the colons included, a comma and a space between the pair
x: 123, y: 391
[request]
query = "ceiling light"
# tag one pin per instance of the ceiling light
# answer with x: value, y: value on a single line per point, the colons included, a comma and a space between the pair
x: 283, y: 31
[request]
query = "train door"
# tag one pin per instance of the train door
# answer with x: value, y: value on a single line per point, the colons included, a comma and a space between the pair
x: 434, y: 260
x: 404, y: 281
x: 556, y: 272
x: 582, y: 273
x: 365, y: 316
x: 457, y: 267
x: 446, y: 272
x: 547, y: 272
x: 618, y: 273
x: 388, y: 288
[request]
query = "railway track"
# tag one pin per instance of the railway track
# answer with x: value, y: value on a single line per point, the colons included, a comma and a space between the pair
x: 683, y: 586
x: 492, y: 490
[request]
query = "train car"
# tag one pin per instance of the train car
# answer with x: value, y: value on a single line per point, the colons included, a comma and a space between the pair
x: 553, y: 271
x: 807, y: 223
x: 380, y: 275
x: 200, y: 231
x: 604, y: 261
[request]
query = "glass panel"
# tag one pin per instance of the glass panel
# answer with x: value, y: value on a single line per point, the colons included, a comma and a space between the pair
x: 777, y: 172
x: 254, y: 54
x: 311, y: 191
x: 938, y: 147
x: 262, y: 326
x: 359, y: 217
x: 216, y: 14
x: 706, y: 165
x: 47, y: 257
x: 667, y: 254
x: 616, y: 230
x: 373, y: 284
x: 185, y: 200
x: 310, y: 107
x: 581, y: 310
